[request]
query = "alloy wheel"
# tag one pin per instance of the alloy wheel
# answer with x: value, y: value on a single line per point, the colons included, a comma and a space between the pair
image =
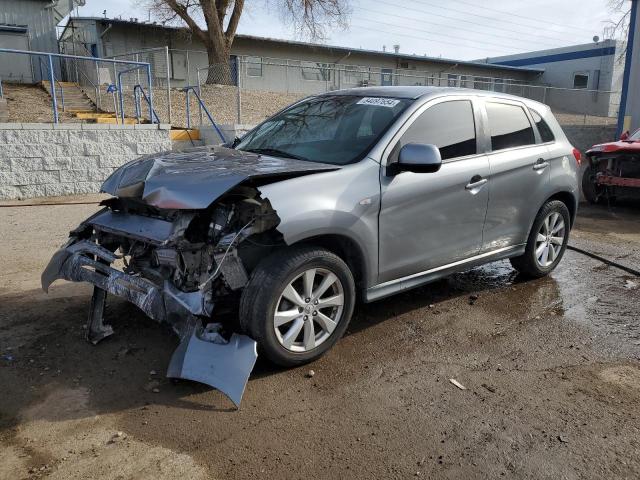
x: 550, y: 239
x: 308, y: 310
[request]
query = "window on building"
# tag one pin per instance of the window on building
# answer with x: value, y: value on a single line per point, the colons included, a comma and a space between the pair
x: 356, y: 75
x: 463, y: 81
x: 450, y: 126
x: 315, y: 71
x: 509, y: 126
x: 498, y: 85
x: 543, y: 127
x: 254, y: 66
x: 481, y: 83
x: 452, y: 80
x: 404, y: 65
x: 580, y: 80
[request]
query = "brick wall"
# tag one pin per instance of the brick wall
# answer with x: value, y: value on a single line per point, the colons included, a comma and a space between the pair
x: 49, y: 160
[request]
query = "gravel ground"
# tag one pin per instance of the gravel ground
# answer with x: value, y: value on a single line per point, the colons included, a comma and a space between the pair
x: 31, y: 104
x: 551, y: 369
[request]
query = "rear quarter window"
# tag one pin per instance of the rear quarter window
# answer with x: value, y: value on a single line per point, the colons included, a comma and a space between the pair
x: 509, y: 126
x: 543, y: 127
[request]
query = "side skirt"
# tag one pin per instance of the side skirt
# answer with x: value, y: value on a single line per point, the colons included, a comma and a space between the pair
x: 386, y: 289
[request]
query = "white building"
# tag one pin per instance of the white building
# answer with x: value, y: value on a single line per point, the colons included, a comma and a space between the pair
x: 29, y: 25
x: 596, y: 68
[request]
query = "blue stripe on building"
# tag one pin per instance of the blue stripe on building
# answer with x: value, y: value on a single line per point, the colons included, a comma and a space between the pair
x: 559, y: 57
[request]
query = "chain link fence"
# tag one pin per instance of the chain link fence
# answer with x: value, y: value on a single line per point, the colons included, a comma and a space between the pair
x: 249, y: 89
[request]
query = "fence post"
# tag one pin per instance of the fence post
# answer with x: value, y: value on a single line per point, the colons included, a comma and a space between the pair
x: 188, y: 70
x: 119, y: 82
x: 150, y: 94
x: 166, y: 53
x: 239, y: 94
x: 138, y: 70
x: 98, y: 101
x: 200, y: 92
x: 53, y: 89
x: 188, y: 109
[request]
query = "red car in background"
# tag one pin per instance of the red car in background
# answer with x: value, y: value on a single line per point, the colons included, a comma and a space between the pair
x: 613, y: 169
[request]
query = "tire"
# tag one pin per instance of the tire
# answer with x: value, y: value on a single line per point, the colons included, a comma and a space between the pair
x: 530, y: 264
x: 265, y: 294
x: 589, y: 188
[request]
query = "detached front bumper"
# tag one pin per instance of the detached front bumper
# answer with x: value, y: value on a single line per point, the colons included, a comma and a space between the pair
x: 75, y: 262
x: 201, y: 356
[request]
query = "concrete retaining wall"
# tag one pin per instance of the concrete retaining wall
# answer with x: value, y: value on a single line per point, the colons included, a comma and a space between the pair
x: 38, y: 159
x: 583, y: 137
x: 230, y: 131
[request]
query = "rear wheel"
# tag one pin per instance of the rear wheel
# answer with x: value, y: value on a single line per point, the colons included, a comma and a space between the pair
x: 547, y: 241
x: 297, y: 304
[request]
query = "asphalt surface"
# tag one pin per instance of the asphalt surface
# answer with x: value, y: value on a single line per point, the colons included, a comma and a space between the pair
x: 551, y: 371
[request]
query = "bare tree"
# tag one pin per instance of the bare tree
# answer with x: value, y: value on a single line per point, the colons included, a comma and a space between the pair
x: 214, y: 22
x: 619, y: 28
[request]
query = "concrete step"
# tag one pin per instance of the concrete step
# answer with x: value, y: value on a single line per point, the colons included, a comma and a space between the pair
x: 184, y: 134
x: 87, y: 115
x: 114, y: 121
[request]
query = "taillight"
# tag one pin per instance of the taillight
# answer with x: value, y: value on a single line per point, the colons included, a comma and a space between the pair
x: 578, y: 156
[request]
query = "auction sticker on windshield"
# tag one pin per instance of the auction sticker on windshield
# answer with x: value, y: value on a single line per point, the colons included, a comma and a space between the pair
x: 379, y: 102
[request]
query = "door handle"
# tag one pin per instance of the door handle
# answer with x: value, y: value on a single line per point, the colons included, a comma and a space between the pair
x: 475, y: 183
x: 540, y: 164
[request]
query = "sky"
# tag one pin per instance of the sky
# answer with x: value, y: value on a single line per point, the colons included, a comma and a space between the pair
x: 459, y: 29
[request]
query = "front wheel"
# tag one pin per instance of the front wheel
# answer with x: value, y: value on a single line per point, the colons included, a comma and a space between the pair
x: 547, y: 241
x: 297, y: 304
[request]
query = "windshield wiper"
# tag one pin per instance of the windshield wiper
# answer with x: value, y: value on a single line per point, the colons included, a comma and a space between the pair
x: 275, y: 152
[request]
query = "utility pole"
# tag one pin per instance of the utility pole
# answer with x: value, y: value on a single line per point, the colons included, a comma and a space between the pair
x: 629, y: 111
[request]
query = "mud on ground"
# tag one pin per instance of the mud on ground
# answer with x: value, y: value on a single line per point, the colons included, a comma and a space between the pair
x: 551, y: 369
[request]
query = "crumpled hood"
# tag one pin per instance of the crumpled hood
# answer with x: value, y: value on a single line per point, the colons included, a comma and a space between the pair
x: 194, y: 179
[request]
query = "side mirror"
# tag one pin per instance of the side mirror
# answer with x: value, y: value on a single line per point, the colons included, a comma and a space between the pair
x: 418, y: 158
x: 624, y: 136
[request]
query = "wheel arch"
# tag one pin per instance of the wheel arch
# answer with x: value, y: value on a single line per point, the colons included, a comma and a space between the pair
x: 347, y: 249
x: 569, y: 200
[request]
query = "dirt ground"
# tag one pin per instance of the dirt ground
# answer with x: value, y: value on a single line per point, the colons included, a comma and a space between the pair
x: 551, y: 369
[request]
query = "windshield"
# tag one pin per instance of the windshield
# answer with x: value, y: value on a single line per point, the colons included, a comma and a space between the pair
x: 337, y: 129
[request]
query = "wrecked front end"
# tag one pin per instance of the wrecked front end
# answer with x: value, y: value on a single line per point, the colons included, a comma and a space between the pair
x: 614, y: 171
x: 174, y: 265
x: 179, y: 238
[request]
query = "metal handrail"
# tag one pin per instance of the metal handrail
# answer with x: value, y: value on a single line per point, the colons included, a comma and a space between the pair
x: 95, y: 87
x: 149, y: 100
x: 193, y: 89
x: 136, y: 89
x: 53, y: 86
x: 52, y: 80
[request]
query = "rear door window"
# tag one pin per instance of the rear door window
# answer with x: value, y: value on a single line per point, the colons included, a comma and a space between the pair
x: 509, y: 126
x: 450, y: 126
x: 543, y: 127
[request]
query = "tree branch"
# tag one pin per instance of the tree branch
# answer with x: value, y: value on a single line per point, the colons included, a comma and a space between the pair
x: 183, y: 12
x: 233, y: 22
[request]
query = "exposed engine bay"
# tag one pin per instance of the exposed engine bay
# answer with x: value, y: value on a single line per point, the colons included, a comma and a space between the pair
x: 175, y: 265
x: 614, y: 171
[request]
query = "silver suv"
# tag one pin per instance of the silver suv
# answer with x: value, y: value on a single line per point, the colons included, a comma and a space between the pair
x: 356, y: 193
